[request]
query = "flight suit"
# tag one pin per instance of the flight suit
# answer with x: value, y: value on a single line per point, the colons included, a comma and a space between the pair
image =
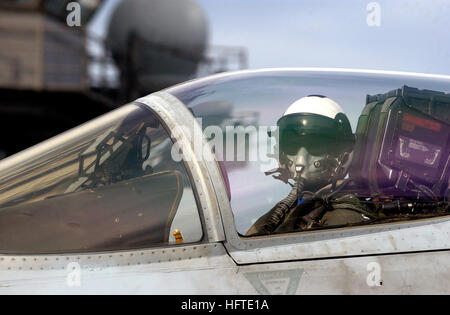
x: 314, y: 211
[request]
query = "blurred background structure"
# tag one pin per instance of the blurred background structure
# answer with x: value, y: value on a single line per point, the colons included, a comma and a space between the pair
x: 53, y: 77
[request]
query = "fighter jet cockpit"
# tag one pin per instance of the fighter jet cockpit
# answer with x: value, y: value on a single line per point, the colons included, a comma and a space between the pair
x: 328, y: 150
x: 108, y: 184
x: 285, y: 152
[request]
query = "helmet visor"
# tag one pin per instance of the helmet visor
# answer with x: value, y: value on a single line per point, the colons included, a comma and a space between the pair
x: 319, y: 135
x: 316, y: 145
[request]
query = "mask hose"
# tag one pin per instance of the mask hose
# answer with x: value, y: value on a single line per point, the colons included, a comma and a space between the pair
x: 300, y: 183
x: 280, y: 211
x: 283, y: 207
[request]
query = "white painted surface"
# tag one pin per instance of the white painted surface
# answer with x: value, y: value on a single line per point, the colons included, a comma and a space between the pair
x: 217, y: 274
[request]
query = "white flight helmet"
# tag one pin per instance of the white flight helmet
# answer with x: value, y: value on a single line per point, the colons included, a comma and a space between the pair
x: 315, y: 104
x: 315, y: 141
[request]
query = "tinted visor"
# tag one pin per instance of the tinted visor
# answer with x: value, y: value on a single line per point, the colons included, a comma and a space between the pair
x: 319, y: 135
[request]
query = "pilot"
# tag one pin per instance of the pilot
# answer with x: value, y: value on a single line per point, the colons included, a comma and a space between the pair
x: 315, y: 151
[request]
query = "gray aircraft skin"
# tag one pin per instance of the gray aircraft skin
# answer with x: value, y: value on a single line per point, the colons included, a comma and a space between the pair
x: 400, y: 257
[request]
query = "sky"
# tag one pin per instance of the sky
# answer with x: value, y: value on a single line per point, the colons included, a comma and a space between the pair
x: 412, y: 35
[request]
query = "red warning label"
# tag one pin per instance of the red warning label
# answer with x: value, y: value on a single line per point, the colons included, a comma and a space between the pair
x: 422, y: 122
